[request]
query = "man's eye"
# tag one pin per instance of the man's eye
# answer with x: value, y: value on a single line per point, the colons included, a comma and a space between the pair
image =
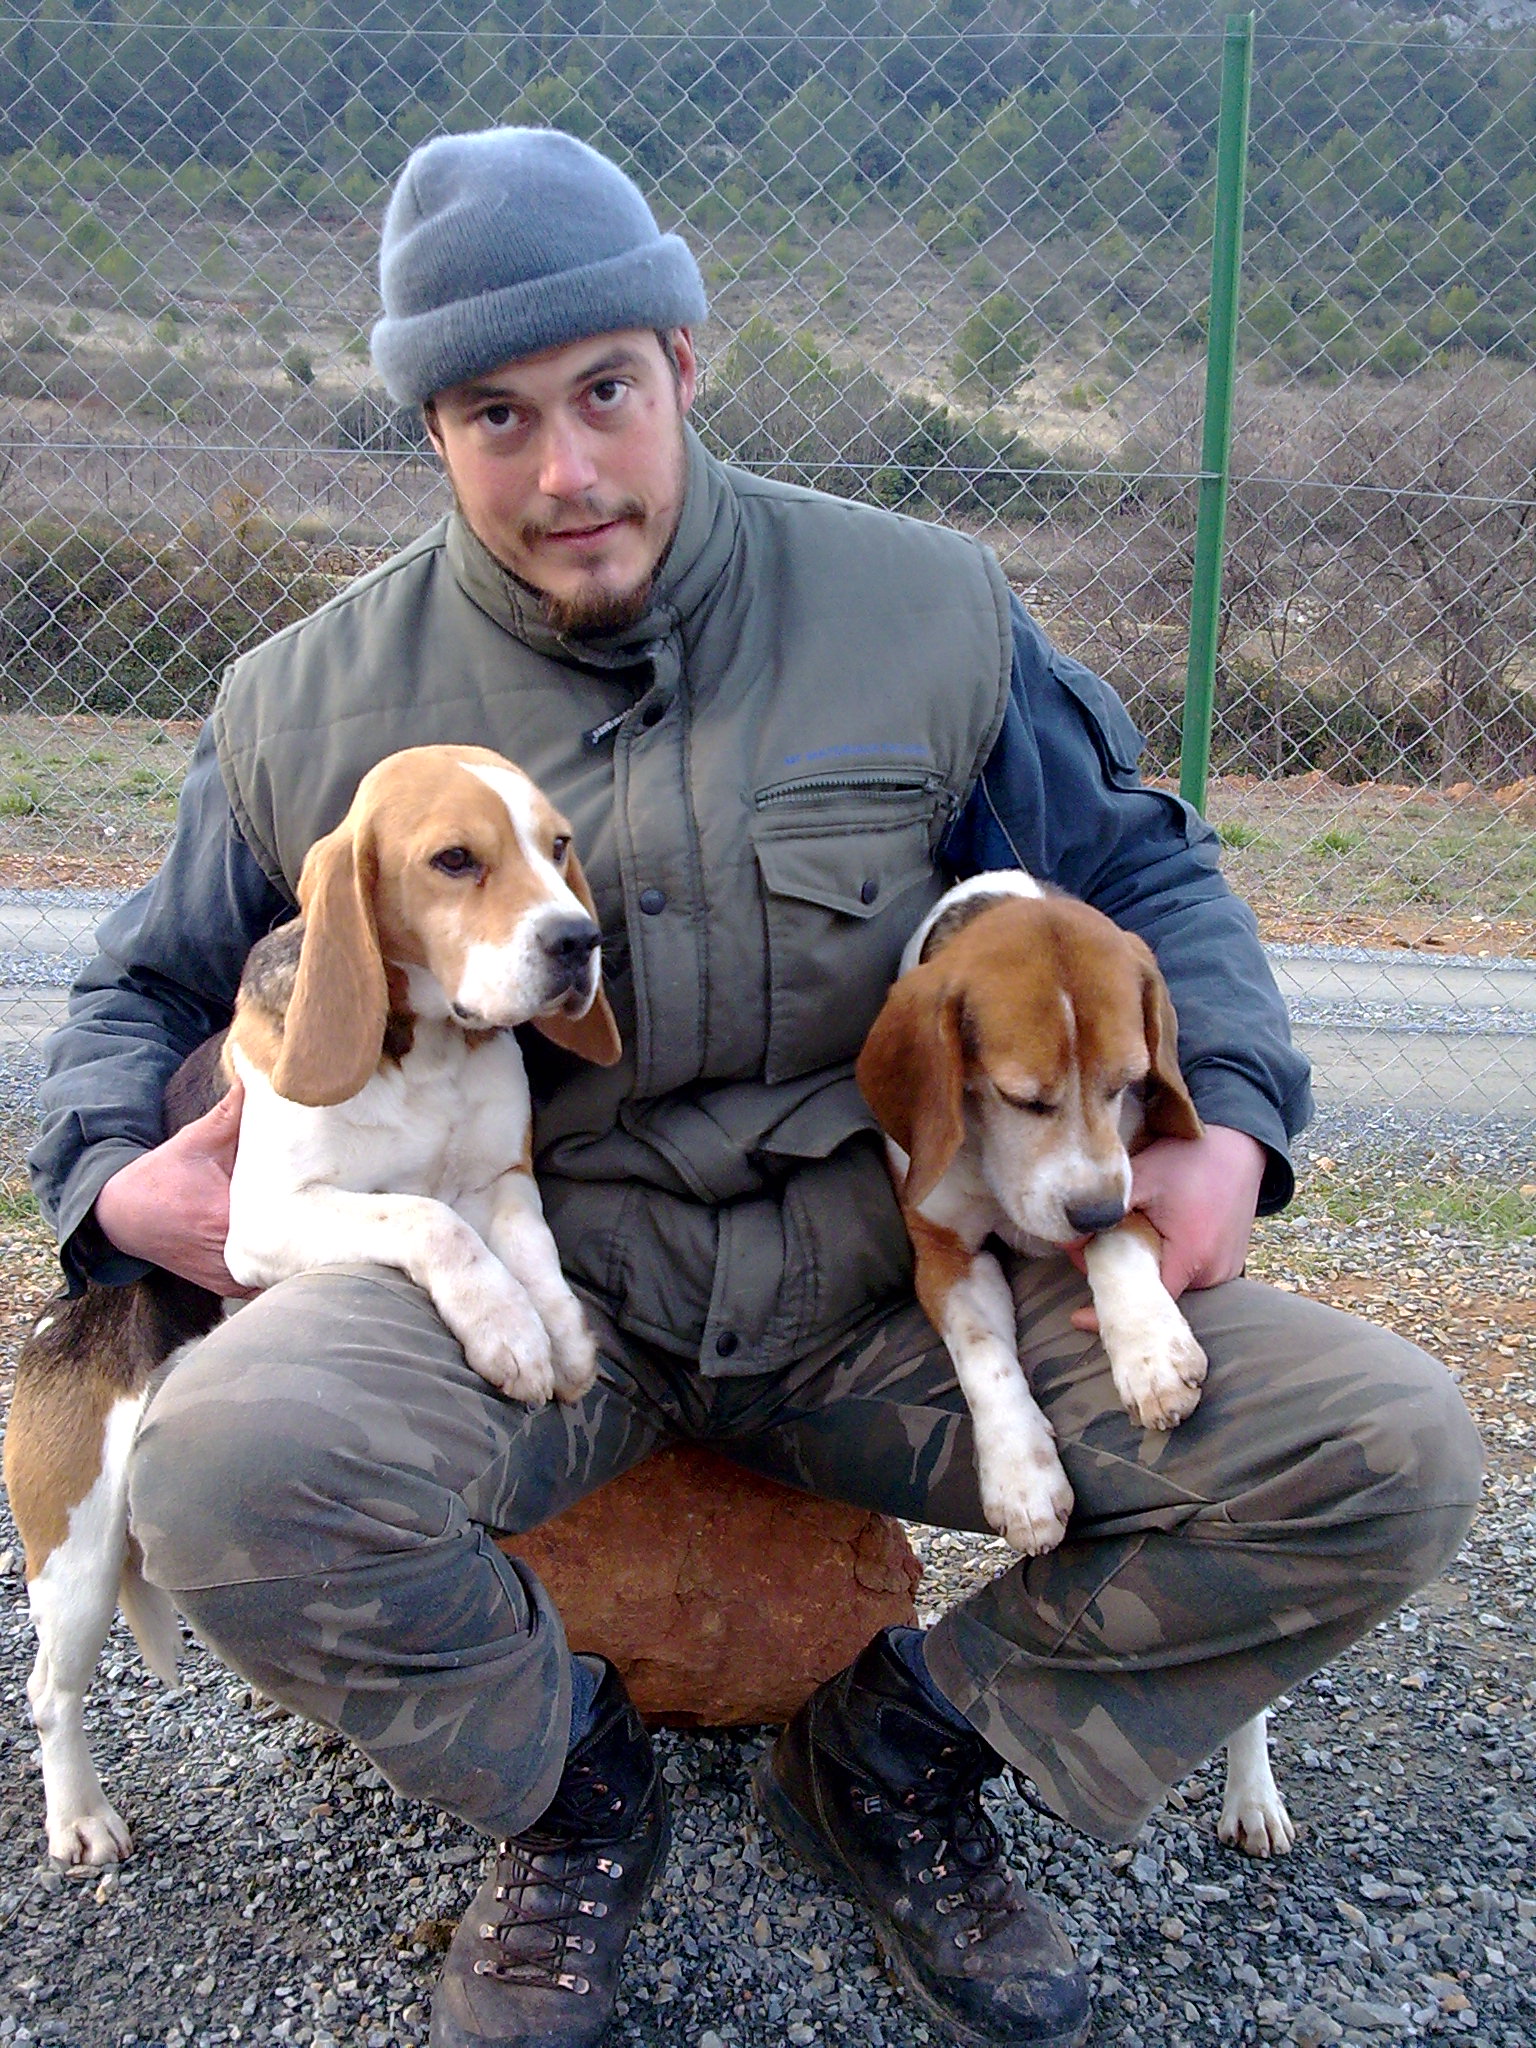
x: 497, y: 415
x: 455, y: 860
x: 608, y: 392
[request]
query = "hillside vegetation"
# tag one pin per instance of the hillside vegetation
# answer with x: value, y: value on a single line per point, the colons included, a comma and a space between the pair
x: 1392, y: 204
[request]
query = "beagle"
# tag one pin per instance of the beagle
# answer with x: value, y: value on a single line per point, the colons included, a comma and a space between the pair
x: 1025, y: 1052
x: 386, y: 1120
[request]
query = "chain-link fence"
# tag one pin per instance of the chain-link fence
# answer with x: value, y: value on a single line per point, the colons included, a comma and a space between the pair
x: 958, y: 256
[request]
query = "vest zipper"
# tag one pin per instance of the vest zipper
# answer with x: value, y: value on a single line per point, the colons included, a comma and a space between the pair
x: 872, y: 782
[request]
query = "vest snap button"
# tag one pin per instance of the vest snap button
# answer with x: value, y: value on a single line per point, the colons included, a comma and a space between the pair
x: 653, y: 714
x: 869, y: 892
x: 652, y: 901
x: 727, y: 1342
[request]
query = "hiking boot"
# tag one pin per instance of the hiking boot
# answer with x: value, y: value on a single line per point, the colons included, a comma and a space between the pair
x: 535, y: 1961
x: 881, y: 1795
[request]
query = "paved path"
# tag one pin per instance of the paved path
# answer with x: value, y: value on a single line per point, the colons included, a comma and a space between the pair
x: 1400, y: 1030
x: 1414, y: 1033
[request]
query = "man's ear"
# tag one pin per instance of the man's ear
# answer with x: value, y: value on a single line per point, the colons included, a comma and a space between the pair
x: 687, y: 367
x: 429, y: 421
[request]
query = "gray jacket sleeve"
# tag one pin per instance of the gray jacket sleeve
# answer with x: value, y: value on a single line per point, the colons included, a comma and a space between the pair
x: 164, y: 977
x: 1061, y: 797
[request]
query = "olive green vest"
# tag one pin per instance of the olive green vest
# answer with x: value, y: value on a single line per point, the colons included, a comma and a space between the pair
x: 758, y: 776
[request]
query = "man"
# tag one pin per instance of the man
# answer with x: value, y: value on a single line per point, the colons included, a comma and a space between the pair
x: 778, y: 724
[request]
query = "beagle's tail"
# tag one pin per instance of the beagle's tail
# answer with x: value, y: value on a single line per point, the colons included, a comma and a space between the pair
x: 149, y: 1613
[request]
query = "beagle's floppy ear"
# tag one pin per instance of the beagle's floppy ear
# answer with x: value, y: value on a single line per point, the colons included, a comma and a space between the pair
x: 912, y: 1074
x: 1170, y: 1111
x: 593, y: 1035
x: 333, y: 1032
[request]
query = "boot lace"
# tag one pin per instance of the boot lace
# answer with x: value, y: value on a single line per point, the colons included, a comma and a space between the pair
x: 544, y: 1878
x: 940, y: 1822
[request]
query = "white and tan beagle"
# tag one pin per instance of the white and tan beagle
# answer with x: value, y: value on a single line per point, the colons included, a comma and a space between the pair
x: 1026, y: 1051
x: 386, y: 1120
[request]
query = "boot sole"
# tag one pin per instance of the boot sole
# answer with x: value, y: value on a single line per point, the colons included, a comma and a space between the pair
x: 797, y: 1835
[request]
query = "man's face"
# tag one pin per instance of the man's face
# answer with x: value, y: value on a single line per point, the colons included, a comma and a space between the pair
x: 570, y: 467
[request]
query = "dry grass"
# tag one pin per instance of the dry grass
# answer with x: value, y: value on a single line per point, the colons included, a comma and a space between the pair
x: 87, y: 801
x: 1381, y: 864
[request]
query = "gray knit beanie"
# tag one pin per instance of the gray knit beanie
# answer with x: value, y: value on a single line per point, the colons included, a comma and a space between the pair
x: 501, y: 244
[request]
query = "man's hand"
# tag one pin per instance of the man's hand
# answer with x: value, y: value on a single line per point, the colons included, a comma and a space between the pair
x: 1201, y: 1196
x: 171, y: 1206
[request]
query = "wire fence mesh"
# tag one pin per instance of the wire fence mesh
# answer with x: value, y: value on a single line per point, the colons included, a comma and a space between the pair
x: 958, y: 258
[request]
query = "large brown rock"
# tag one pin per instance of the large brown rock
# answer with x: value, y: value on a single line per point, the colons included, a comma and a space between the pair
x: 721, y: 1597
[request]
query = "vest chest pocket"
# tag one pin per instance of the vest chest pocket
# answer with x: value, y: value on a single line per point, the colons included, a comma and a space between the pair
x: 842, y: 893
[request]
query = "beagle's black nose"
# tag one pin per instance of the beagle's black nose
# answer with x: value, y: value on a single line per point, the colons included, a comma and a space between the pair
x: 570, y: 943
x: 1088, y: 1218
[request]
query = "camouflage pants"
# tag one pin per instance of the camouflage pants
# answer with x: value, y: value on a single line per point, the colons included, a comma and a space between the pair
x: 317, y: 1484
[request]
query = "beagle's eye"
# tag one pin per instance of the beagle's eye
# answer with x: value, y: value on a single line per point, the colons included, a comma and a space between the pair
x: 455, y: 860
x: 1035, y: 1105
x: 560, y: 849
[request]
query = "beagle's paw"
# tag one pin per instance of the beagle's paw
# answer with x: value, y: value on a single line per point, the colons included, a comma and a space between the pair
x: 1159, y: 1375
x: 1027, y: 1499
x: 1255, y: 1821
x: 1253, y: 1815
x: 80, y: 1841
x: 502, y: 1335
x: 573, y: 1353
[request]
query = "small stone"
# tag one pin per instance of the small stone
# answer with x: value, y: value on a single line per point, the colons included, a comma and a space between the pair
x: 1370, y: 2015
x: 801, y: 2034
x: 1312, y: 2027
x: 710, y: 2039
x: 762, y: 1932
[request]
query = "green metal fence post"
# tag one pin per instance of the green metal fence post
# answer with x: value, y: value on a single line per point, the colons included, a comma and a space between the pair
x: 1216, y: 437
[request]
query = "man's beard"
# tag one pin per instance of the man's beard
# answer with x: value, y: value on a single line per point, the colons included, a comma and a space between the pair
x: 587, y: 615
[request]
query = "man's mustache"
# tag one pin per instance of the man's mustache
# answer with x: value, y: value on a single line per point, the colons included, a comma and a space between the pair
x: 582, y: 513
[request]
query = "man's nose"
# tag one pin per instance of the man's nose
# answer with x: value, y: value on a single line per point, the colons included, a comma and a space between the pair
x: 566, y: 468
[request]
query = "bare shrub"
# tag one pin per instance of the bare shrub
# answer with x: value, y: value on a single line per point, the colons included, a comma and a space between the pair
x: 95, y: 619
